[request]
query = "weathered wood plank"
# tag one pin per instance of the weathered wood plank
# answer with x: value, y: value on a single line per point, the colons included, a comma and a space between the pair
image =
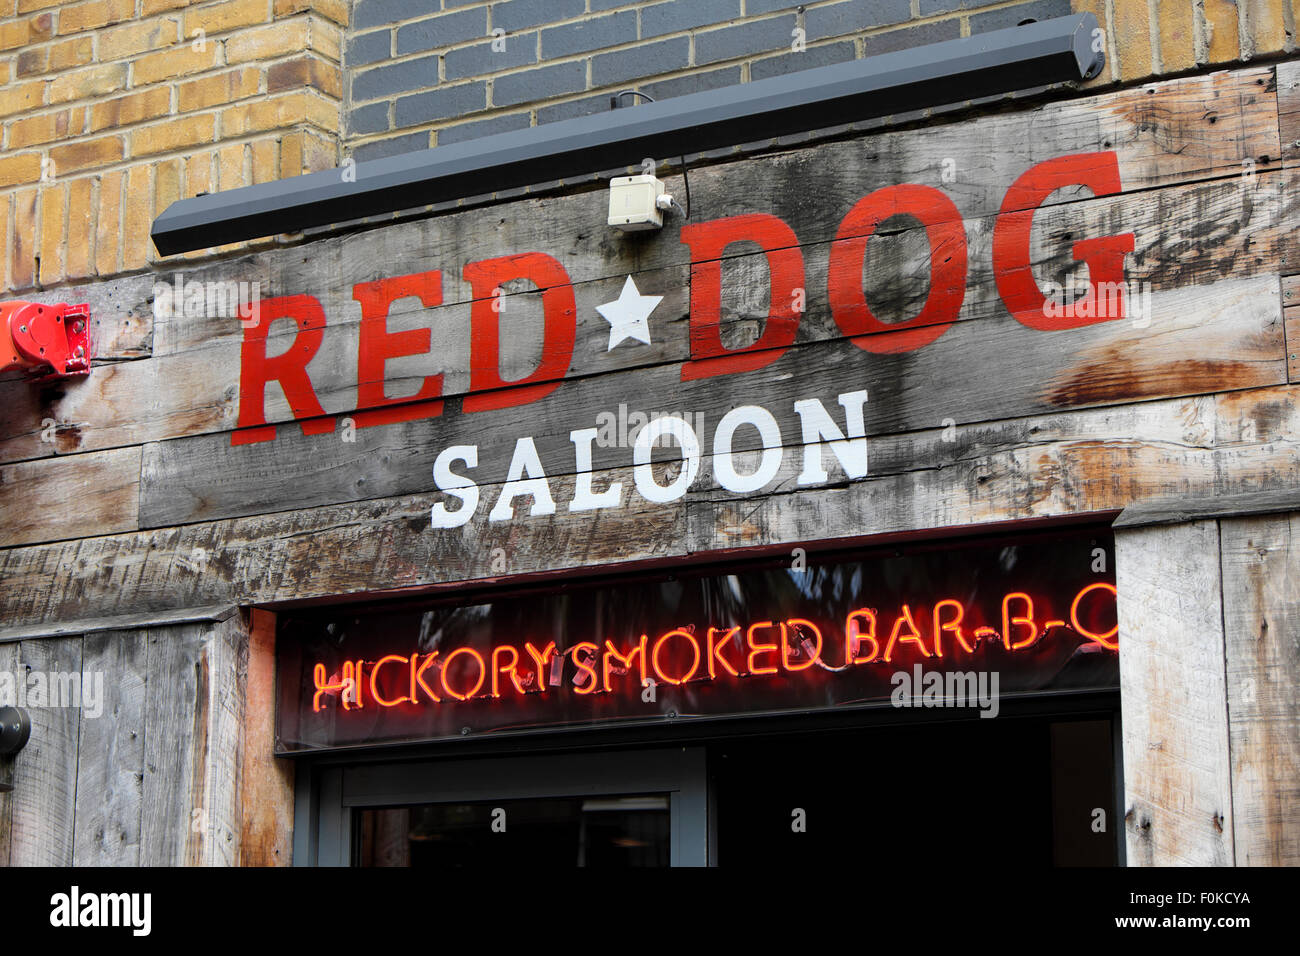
x: 1288, y: 111
x: 175, y: 815
x: 1185, y: 236
x: 1059, y: 464
x: 1182, y: 510
x: 9, y: 658
x: 121, y: 622
x: 72, y: 497
x: 121, y: 315
x: 44, y: 800
x: 226, y: 655
x: 1199, y: 340
x: 1261, y: 618
x: 1035, y: 467
x: 1293, y: 344
x: 193, y: 715
x: 110, y: 769
x: 266, y: 782
x: 1178, y: 802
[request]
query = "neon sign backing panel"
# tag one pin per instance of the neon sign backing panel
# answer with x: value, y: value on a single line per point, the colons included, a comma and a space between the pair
x: 964, y: 624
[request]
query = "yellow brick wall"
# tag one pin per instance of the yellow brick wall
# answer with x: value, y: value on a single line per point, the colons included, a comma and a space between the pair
x: 111, y: 109
x: 1161, y: 37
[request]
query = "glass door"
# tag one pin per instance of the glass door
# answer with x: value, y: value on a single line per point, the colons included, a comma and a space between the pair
x: 610, y: 810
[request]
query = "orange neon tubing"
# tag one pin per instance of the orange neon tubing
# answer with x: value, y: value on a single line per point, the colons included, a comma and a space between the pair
x: 592, y: 685
x: 374, y: 681
x: 654, y: 655
x: 417, y: 677
x: 612, y: 652
x: 726, y: 635
x: 915, y: 637
x: 1102, y: 639
x: 1027, y: 618
x: 446, y: 667
x: 953, y: 626
x: 785, y: 644
x: 756, y: 648
x: 498, y: 670
x: 853, y: 637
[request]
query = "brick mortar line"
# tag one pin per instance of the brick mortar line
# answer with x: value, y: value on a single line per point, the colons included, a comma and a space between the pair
x: 184, y: 152
x: 96, y: 35
x: 531, y: 108
x: 639, y: 8
x: 656, y: 77
x: 173, y: 85
x: 866, y: 32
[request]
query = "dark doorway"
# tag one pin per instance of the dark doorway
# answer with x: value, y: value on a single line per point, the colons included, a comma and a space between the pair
x: 1010, y: 792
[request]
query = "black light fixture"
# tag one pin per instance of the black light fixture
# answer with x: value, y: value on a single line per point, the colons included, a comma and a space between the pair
x: 15, y: 729
x: 954, y: 71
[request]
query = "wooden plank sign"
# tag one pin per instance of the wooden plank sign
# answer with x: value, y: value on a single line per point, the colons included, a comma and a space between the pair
x: 889, y: 333
x: 528, y: 421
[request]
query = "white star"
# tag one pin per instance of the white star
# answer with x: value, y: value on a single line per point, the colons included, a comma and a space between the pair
x: 627, y: 315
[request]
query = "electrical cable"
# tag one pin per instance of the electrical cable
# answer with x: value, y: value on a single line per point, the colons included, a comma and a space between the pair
x: 686, y: 180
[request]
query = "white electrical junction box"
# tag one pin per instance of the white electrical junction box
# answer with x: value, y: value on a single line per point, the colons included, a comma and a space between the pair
x: 633, y: 203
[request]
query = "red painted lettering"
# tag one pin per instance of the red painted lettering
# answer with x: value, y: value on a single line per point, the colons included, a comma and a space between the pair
x: 947, y: 236
x: 559, y: 327
x: 708, y: 240
x: 376, y: 345
x: 1104, y: 256
x: 288, y: 368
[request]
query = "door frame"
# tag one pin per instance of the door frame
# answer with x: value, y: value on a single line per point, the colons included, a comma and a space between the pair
x: 327, y: 796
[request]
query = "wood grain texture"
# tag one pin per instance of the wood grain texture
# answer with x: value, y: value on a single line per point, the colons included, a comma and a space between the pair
x: 1200, y: 340
x: 1065, y: 463
x: 72, y: 497
x: 1288, y: 111
x: 1291, y: 325
x: 1261, y: 615
x: 266, y: 782
x: 176, y: 701
x: 1163, y: 134
x: 193, y: 719
x: 226, y: 653
x: 1185, y: 236
x: 88, y: 625
x: 1179, y: 510
x: 1177, y: 775
x: 110, y: 768
x: 9, y: 659
x: 121, y: 315
x: 44, y: 802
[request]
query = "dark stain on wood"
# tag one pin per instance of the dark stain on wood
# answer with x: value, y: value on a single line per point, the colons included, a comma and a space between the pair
x: 196, y: 843
x: 1114, y: 377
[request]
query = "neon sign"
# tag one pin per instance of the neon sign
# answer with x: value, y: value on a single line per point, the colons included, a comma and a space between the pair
x: 1039, y: 614
x: 679, y: 655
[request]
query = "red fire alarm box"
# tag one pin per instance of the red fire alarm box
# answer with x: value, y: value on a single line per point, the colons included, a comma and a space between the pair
x: 42, y: 336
